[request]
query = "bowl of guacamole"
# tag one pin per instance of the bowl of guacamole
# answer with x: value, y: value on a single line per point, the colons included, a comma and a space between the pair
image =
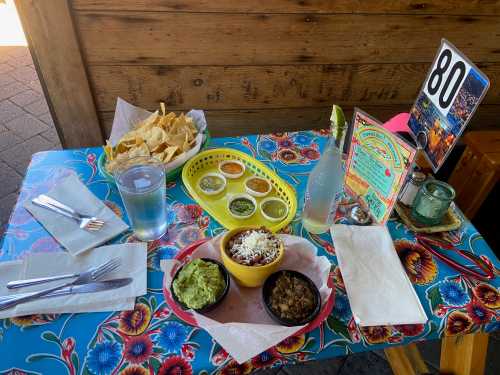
x: 200, y: 284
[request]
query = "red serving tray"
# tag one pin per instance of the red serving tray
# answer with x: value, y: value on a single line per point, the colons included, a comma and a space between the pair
x: 187, y: 317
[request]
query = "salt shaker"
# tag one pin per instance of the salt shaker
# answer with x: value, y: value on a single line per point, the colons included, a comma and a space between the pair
x: 411, y: 188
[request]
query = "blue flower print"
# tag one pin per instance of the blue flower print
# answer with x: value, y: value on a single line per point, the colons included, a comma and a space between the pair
x: 103, y: 358
x: 453, y: 294
x: 302, y: 140
x: 172, y: 336
x: 268, y: 145
x: 342, y: 308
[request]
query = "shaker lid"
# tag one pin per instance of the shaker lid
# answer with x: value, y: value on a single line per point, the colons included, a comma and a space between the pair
x: 418, y: 176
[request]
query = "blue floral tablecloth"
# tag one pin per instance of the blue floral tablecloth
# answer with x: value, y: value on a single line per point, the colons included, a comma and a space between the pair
x: 151, y: 339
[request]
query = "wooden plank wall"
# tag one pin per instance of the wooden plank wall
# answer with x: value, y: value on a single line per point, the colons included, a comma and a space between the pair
x: 267, y: 65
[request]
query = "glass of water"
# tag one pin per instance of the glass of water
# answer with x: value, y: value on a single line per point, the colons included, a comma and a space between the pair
x: 141, y: 183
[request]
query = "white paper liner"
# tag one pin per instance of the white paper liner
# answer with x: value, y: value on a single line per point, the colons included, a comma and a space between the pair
x: 128, y: 115
x: 240, y: 324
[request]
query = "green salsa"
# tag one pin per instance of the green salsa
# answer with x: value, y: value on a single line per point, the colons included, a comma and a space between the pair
x: 274, y: 208
x: 242, y: 206
x: 199, y: 283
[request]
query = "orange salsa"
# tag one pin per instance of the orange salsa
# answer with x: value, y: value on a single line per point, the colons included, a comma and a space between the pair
x: 231, y: 168
x: 258, y: 184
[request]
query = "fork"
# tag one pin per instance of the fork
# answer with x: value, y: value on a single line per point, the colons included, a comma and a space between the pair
x: 41, y: 280
x: 91, y: 275
x: 86, y: 222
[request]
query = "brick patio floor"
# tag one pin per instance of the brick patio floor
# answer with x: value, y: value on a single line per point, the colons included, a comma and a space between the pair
x: 26, y: 126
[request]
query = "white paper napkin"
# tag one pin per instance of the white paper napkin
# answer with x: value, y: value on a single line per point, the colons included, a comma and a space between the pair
x: 133, y: 264
x: 240, y: 324
x: 72, y: 192
x: 378, y: 288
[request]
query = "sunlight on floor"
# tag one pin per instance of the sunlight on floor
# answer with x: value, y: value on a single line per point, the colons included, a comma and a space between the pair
x: 11, y: 31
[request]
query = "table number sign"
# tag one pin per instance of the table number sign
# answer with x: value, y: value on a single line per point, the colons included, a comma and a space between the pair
x: 452, y: 91
x: 376, y: 167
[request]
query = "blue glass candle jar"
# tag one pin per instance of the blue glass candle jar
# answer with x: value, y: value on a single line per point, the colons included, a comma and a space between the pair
x: 432, y: 202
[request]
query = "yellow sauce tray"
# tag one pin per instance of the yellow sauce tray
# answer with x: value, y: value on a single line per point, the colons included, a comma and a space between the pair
x: 216, y: 205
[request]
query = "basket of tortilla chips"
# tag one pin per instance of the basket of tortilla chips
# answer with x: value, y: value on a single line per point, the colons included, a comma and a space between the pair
x: 168, y: 137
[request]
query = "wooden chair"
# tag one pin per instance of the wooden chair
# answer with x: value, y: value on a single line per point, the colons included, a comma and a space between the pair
x: 478, y: 170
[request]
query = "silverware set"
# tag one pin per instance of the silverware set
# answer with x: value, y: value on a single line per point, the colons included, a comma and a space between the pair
x: 89, y: 281
x: 86, y: 222
x: 85, y: 282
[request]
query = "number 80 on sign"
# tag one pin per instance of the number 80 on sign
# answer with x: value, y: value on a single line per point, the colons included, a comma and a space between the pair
x: 446, y: 77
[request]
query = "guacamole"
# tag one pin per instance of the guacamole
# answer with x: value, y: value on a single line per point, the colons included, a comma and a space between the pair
x: 199, y: 283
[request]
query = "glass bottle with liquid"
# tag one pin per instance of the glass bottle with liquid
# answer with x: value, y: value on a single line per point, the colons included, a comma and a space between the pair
x: 326, y: 180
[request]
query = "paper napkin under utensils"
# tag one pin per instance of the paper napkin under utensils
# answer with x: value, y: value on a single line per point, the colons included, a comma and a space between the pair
x: 72, y: 192
x: 133, y: 264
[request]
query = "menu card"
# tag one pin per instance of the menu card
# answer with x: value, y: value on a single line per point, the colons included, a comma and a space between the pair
x: 376, y: 167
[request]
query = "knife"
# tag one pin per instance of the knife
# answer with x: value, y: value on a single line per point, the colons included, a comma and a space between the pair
x: 98, y: 286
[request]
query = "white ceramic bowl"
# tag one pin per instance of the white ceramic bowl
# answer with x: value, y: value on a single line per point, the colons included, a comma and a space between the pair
x: 257, y: 193
x: 213, y: 192
x: 246, y: 196
x: 270, y: 218
x: 230, y: 175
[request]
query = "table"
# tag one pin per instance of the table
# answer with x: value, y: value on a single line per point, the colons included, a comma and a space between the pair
x: 151, y: 338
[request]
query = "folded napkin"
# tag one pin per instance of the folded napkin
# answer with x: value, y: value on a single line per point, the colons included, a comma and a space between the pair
x: 378, y: 288
x: 72, y: 192
x: 133, y: 264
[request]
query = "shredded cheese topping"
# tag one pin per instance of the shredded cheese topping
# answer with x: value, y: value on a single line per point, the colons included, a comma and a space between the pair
x: 256, y: 245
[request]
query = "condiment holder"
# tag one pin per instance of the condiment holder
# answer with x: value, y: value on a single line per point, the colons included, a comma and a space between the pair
x: 267, y: 184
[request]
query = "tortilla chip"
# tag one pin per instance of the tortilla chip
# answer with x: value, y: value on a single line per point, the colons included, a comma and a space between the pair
x: 177, y: 140
x: 141, y: 150
x: 169, y: 153
x: 185, y: 145
x: 154, y: 137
